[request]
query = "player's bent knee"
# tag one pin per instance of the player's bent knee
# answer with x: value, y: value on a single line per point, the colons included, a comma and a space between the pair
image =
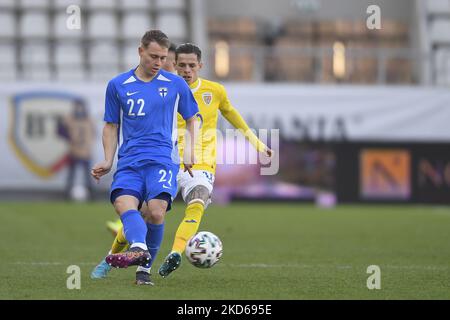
x: 157, y: 216
x: 124, y: 204
x: 156, y: 211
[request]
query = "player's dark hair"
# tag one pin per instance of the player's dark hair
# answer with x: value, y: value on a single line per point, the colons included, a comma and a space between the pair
x: 172, y: 47
x: 188, y: 48
x: 155, y: 36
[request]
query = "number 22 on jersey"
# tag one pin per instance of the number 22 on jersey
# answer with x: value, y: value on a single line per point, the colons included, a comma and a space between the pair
x: 140, y: 104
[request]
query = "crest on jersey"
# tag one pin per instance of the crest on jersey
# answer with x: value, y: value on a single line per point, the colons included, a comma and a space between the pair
x: 207, y: 98
x: 163, y: 91
x: 37, y: 133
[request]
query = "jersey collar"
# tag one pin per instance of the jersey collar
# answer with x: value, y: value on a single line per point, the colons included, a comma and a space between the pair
x: 139, y: 80
x: 195, y: 85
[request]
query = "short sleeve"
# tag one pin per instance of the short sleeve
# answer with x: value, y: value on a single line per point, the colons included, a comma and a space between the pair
x: 112, y: 105
x: 187, y: 105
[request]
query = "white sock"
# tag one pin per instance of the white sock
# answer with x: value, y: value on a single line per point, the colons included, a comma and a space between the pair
x: 144, y: 269
x: 141, y: 245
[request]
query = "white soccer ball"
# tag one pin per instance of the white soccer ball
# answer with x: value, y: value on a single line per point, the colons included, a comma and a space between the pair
x: 204, y: 249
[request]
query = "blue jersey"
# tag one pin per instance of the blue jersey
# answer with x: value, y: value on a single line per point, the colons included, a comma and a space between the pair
x: 146, y: 113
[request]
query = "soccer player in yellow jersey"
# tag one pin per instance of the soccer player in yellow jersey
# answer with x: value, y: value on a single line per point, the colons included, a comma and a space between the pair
x: 196, y: 191
x: 211, y: 98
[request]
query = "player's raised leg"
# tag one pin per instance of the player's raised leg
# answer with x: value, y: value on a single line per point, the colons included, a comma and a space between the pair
x: 135, y: 230
x: 196, y: 200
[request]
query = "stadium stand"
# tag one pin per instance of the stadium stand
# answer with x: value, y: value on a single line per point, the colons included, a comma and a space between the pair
x: 301, y: 47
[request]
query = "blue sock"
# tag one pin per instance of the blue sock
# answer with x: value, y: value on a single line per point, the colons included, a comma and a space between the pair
x: 134, y: 226
x: 154, y: 238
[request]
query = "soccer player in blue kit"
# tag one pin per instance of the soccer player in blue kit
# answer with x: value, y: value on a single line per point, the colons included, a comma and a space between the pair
x: 141, y: 118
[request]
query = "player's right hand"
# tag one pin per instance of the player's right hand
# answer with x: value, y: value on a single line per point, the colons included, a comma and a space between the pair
x: 100, y: 169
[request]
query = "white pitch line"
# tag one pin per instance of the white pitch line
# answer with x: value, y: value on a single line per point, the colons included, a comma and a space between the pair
x: 306, y: 266
x: 265, y: 265
x: 299, y: 266
x: 47, y: 263
x: 419, y: 267
x: 257, y: 265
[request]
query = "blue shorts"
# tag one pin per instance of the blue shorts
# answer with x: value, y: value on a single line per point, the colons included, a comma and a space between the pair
x: 146, y: 181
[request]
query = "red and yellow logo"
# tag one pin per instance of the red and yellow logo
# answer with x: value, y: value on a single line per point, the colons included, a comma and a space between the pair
x: 34, y: 131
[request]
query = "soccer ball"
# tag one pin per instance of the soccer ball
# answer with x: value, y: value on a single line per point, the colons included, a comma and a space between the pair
x: 204, y: 249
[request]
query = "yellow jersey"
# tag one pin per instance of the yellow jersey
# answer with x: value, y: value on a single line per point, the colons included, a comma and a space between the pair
x: 211, y: 98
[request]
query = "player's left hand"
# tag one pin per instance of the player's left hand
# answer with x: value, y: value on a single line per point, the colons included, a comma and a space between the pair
x: 188, y: 168
x: 188, y: 162
x: 268, y: 152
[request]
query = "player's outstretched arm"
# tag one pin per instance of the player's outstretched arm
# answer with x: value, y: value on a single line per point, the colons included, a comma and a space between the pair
x: 190, y: 136
x: 234, y: 117
x: 109, y: 139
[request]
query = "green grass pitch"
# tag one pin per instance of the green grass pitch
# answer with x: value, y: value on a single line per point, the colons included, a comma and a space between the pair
x: 271, y: 251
